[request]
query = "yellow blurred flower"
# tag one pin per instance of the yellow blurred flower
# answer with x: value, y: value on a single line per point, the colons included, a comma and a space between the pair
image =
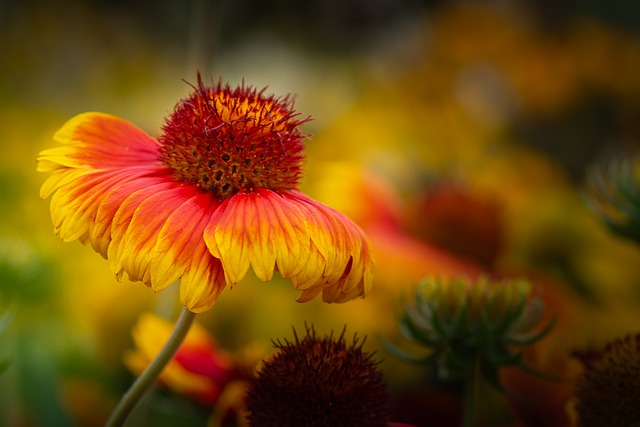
x: 199, y: 369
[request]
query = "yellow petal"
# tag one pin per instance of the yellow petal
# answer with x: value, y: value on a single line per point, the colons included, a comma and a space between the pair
x: 259, y: 229
x: 136, y: 226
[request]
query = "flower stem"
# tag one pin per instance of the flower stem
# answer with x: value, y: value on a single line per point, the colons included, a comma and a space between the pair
x: 143, y: 383
x: 471, y: 389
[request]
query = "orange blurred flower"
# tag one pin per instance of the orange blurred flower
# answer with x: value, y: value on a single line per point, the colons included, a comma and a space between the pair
x: 215, y: 194
x: 393, y: 225
x: 199, y: 369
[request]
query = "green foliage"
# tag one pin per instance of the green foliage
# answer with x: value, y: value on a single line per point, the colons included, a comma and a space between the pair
x: 6, y: 319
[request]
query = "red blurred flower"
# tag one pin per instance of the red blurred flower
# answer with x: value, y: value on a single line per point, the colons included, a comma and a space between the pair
x: 199, y: 369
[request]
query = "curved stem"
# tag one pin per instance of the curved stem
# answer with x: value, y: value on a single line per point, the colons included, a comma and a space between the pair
x: 143, y: 383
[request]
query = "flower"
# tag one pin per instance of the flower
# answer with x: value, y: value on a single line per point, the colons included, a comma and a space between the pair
x: 450, y: 215
x: 607, y: 393
x: 199, y: 369
x: 612, y: 192
x: 321, y: 382
x: 469, y: 323
x: 214, y: 194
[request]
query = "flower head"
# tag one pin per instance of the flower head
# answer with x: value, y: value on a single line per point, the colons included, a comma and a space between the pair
x: 215, y: 194
x: 453, y: 217
x: 227, y: 140
x: 321, y: 382
x: 608, y: 393
x: 613, y: 194
x: 199, y: 368
x: 466, y: 322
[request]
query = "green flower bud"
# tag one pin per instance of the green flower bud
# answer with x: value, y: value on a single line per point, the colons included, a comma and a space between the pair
x: 463, y: 323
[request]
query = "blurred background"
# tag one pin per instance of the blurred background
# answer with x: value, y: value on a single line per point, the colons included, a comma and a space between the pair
x: 457, y: 134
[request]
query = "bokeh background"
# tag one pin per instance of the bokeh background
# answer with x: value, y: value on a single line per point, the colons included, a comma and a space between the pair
x: 457, y: 134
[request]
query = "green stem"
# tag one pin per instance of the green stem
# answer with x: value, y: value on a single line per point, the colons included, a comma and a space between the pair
x: 471, y: 393
x: 143, y: 383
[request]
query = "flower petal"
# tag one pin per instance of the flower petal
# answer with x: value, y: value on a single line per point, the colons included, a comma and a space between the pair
x: 348, y: 264
x: 60, y: 179
x: 180, y: 251
x: 100, y: 231
x: 111, y: 190
x: 103, y: 158
x: 99, y: 141
x: 227, y: 236
x: 202, y: 283
x: 74, y: 206
x: 137, y: 224
x: 180, y: 237
x: 312, y: 244
x: 261, y: 229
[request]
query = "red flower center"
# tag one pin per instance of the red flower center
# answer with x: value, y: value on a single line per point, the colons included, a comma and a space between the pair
x: 228, y: 140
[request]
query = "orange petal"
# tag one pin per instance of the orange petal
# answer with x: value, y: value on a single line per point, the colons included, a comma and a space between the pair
x: 180, y: 252
x: 149, y: 335
x: 312, y: 244
x: 136, y: 226
x: 261, y: 229
x: 348, y: 263
x: 74, y: 206
x: 99, y: 141
x: 180, y: 237
x: 100, y: 231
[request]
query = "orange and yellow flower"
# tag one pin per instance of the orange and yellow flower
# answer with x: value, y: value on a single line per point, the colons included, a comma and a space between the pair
x: 214, y: 194
x: 199, y: 369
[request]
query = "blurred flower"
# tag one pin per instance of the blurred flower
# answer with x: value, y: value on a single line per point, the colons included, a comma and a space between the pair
x: 392, y: 224
x: 321, y: 382
x: 402, y: 257
x: 542, y: 400
x: 453, y: 217
x: 199, y: 369
x: 608, y: 393
x: 613, y: 194
x: 469, y: 323
x: 214, y: 195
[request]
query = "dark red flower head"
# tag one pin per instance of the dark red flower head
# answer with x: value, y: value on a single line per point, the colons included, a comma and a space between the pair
x: 227, y: 140
x: 319, y: 382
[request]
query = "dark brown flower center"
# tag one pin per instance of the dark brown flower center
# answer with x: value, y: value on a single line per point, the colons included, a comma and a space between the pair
x: 228, y: 140
x: 608, y: 392
x: 323, y: 382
